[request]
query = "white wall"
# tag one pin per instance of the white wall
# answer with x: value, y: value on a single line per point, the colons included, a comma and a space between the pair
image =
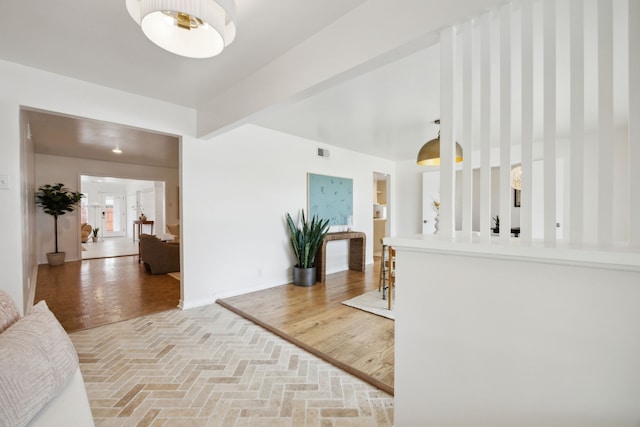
x: 246, y: 182
x: 234, y: 192
x: 406, y: 199
x: 485, y: 340
x: 53, y: 169
x: 29, y: 87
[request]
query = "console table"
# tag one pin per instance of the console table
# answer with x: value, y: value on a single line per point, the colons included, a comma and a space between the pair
x: 357, y: 247
x: 140, y: 224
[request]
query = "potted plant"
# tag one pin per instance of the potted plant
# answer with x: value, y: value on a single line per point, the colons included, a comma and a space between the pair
x: 305, y: 241
x: 95, y: 234
x: 56, y: 200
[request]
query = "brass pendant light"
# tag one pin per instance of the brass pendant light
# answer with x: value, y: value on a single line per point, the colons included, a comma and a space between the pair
x: 429, y: 154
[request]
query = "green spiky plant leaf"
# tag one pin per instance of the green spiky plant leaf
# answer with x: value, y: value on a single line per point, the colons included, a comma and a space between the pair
x: 307, y: 238
x: 56, y: 200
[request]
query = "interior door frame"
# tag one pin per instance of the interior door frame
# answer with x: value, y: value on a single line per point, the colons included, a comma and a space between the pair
x: 123, y: 215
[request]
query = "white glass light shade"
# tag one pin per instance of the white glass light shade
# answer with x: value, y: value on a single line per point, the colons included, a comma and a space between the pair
x: 516, y: 176
x: 191, y: 28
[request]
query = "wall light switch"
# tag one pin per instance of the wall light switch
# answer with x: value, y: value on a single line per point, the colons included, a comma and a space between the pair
x: 4, y: 182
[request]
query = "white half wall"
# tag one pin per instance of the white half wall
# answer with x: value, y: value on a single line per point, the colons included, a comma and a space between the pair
x: 497, y: 340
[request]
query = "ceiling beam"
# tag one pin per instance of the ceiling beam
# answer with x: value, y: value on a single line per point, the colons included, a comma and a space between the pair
x: 360, y: 40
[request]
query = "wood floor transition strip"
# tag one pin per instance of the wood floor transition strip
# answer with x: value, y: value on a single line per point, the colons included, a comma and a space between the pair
x: 341, y: 365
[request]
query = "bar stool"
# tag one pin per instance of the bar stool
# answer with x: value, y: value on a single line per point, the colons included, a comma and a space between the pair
x: 382, y: 282
x: 392, y: 273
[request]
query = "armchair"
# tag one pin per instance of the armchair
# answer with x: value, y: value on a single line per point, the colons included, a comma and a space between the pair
x: 85, y: 232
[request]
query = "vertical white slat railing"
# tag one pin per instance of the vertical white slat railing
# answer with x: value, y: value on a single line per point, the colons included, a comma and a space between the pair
x: 467, y: 129
x: 447, y: 137
x: 526, y: 142
x: 485, y: 126
x: 479, y: 100
x: 605, y: 122
x: 505, y: 123
x: 576, y: 165
x: 634, y: 123
x: 550, y: 101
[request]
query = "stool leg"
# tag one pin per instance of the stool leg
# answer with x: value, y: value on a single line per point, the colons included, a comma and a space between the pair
x: 392, y: 277
x: 383, y: 270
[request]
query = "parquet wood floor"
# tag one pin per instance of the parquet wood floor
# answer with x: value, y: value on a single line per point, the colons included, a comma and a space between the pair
x: 314, y: 319
x: 89, y: 293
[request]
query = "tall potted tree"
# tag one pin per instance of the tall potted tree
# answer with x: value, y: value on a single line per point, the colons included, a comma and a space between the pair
x: 305, y: 241
x: 56, y: 200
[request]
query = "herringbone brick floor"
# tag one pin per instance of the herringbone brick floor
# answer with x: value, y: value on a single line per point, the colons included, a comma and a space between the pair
x: 209, y: 367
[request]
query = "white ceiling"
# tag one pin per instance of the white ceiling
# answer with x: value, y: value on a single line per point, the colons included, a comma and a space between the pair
x: 98, y: 41
x: 386, y: 112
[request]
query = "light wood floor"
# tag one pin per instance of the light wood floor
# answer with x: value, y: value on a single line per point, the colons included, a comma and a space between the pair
x: 109, y: 247
x: 314, y: 319
x: 89, y: 293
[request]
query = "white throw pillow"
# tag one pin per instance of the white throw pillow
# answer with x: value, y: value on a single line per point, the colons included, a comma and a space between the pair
x: 37, y: 360
x: 9, y: 313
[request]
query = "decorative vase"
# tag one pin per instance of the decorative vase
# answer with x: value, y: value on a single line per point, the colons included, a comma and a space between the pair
x: 143, y: 217
x: 304, y: 276
x: 436, y: 219
x: 56, y: 258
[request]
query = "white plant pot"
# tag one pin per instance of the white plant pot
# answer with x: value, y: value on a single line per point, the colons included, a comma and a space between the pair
x: 56, y: 258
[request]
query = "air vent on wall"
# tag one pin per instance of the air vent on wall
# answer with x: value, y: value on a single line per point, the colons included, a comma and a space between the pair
x: 323, y: 152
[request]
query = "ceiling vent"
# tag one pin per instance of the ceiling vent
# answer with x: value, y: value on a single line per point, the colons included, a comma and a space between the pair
x: 323, y: 152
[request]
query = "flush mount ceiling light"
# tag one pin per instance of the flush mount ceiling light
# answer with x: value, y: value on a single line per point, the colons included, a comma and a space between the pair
x: 117, y: 150
x: 429, y: 154
x: 191, y: 28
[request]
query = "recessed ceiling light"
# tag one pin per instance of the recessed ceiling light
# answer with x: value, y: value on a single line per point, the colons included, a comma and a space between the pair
x: 117, y: 151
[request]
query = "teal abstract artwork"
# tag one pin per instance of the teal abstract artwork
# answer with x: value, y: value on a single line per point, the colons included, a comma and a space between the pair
x: 331, y: 197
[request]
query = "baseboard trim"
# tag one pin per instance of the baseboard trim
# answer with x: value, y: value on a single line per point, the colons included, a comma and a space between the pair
x: 236, y: 292
x: 195, y: 304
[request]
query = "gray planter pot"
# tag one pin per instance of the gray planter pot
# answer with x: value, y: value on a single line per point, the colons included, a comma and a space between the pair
x: 56, y: 258
x: 304, y: 276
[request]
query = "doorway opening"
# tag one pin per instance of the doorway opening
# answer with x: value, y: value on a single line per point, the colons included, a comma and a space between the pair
x: 114, y: 215
x: 380, y: 211
x: 111, y: 205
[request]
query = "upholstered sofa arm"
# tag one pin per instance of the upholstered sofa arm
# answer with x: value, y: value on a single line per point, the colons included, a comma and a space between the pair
x: 159, y: 257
